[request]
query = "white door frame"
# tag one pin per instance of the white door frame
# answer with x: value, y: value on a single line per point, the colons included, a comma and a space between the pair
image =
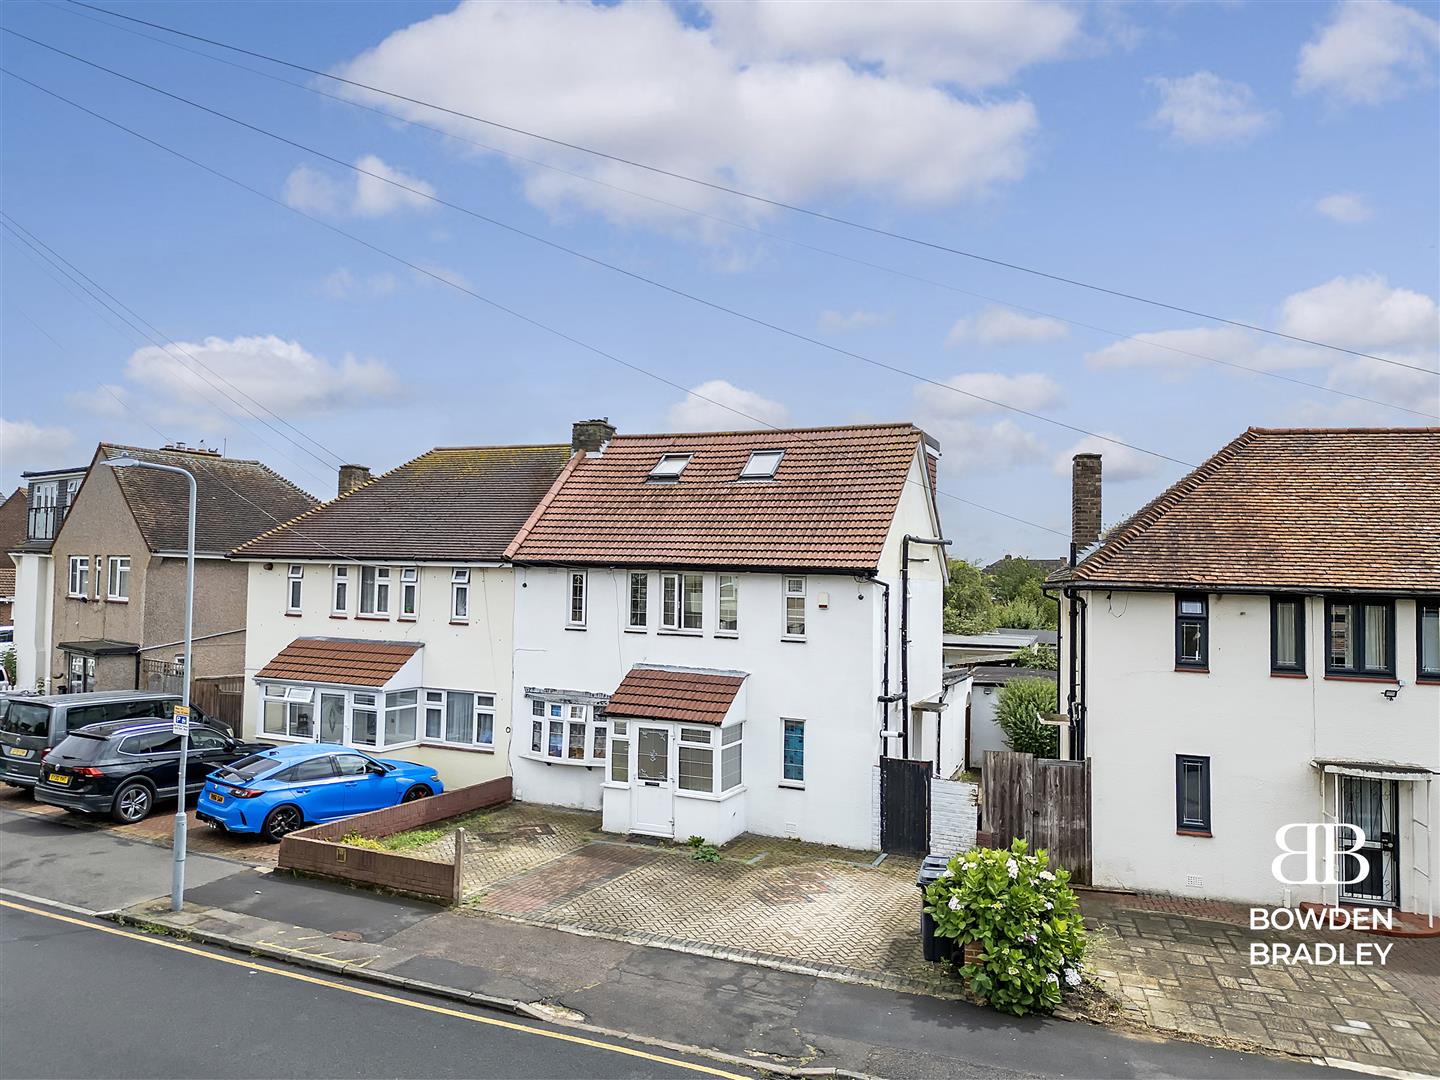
x: 652, y: 807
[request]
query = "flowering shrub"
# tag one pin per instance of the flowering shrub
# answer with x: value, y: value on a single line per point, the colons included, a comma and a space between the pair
x: 1023, y: 920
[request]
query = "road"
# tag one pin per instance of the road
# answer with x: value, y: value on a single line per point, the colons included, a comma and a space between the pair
x: 80, y: 997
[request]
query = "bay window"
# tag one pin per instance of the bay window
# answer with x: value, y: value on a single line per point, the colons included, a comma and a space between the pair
x: 375, y: 590
x: 409, y: 591
x: 569, y: 732
x: 1360, y: 637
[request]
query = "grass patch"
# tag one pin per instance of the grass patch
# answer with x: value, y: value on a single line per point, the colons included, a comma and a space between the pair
x: 429, y: 834
x: 354, y: 839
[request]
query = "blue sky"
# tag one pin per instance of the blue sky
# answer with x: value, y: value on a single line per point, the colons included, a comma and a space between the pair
x: 1274, y: 163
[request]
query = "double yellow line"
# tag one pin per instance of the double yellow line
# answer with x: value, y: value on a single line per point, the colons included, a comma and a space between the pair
x: 375, y: 995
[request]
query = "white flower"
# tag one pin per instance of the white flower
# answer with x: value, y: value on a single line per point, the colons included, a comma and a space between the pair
x: 954, y: 904
x: 1052, y: 979
x: 1048, y: 905
x: 1072, y: 977
x: 1046, y: 875
x: 1013, y: 869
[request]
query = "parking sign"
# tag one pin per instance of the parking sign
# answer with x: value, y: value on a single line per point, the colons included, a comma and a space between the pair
x: 181, y: 723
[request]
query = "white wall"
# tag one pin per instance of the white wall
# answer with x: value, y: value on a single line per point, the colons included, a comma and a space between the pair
x: 1261, y: 733
x: 34, y: 583
x: 473, y: 657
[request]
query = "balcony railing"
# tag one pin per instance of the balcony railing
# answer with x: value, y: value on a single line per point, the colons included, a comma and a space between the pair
x: 44, y: 522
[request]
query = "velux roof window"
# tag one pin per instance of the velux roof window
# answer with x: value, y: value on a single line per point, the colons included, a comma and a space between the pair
x: 762, y: 465
x: 669, y: 467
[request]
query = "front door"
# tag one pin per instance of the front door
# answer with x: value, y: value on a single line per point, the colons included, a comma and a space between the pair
x: 654, y: 787
x: 1372, y: 805
x: 332, y: 718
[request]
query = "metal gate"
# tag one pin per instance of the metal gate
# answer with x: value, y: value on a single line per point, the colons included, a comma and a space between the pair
x: 904, y: 806
x: 1043, y: 801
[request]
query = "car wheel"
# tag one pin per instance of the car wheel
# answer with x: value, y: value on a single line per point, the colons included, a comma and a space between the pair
x: 281, y: 820
x: 133, y: 803
x: 419, y: 791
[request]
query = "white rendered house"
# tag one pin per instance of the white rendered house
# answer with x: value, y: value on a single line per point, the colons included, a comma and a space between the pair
x: 49, y: 497
x: 1259, y: 647
x: 702, y: 642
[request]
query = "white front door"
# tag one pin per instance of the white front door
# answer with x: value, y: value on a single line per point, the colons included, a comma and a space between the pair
x: 654, y: 788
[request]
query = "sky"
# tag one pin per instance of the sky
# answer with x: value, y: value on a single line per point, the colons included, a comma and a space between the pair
x: 1272, y: 164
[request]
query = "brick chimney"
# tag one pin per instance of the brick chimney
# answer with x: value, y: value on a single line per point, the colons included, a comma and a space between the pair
x: 351, y: 477
x: 1085, y: 500
x: 591, y: 435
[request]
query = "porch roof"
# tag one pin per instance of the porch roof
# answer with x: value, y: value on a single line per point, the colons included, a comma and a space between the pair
x: 99, y: 647
x: 339, y: 661
x: 684, y: 695
x: 1375, y: 770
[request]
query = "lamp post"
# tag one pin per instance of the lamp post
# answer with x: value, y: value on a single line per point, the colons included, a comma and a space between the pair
x: 177, y: 872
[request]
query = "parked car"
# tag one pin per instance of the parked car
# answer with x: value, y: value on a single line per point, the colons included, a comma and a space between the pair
x: 124, y: 767
x: 32, y: 727
x: 277, y: 791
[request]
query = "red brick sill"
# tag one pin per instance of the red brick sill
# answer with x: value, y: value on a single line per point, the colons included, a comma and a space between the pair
x: 1193, y: 670
x: 1193, y: 832
x: 1288, y: 675
x: 1383, y: 680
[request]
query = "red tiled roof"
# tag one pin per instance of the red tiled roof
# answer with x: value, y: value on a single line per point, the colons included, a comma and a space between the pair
x: 689, y: 697
x: 1347, y: 508
x: 339, y: 661
x: 828, y: 507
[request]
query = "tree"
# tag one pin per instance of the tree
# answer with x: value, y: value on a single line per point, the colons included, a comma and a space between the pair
x: 1038, y: 656
x: 1022, y: 702
x: 969, y: 605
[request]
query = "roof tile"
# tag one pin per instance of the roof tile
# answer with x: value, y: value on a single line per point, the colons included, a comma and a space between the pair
x: 688, y: 697
x: 339, y: 661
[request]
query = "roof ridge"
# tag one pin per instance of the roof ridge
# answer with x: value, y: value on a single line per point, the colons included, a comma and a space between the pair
x: 767, y: 430
x: 518, y: 446
x: 1399, y: 430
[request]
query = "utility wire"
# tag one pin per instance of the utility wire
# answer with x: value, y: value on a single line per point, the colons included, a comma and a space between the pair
x: 614, y: 268
x: 762, y: 199
x: 459, y: 287
x: 738, y: 225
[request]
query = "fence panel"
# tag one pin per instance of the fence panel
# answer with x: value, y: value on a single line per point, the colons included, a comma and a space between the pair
x: 1042, y: 801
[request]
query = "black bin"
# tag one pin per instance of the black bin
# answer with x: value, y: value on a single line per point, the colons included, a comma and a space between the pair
x: 935, y: 949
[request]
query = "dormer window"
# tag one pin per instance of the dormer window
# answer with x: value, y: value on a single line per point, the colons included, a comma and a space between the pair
x: 669, y: 467
x: 762, y: 465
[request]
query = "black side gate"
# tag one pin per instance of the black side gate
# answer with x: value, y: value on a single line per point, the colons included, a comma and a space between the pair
x: 904, y: 806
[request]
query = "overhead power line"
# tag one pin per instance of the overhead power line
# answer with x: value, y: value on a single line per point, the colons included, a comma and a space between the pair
x: 755, y: 230
x: 762, y: 199
x: 462, y: 288
x: 633, y: 275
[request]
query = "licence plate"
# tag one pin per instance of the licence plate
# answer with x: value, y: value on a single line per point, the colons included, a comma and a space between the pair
x: 56, y: 778
x: 213, y: 797
x: 18, y: 751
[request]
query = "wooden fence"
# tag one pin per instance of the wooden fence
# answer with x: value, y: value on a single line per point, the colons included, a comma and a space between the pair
x: 221, y: 699
x: 1042, y: 801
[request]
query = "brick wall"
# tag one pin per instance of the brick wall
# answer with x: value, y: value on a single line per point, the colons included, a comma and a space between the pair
x: 1085, y: 499
x: 317, y: 850
x: 953, y: 816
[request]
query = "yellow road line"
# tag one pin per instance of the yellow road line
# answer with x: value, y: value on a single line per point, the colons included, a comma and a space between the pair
x: 376, y: 995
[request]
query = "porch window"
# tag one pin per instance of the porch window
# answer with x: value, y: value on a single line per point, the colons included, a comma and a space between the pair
x: 289, y: 711
x: 1192, y: 794
x: 794, y: 752
x: 729, y: 590
x: 795, y: 608
x: 1192, y: 631
x: 340, y: 591
x: 1287, y: 635
x: 79, y: 575
x: 577, y: 599
x: 401, y: 709
x: 118, y: 587
x: 295, y: 581
x: 697, y: 760
x: 363, y: 720
x: 620, y: 752
x: 731, y: 749
x: 1361, y: 638
x: 639, y: 601
x: 1427, y: 645
x: 460, y: 594
x: 409, y: 591
x: 375, y: 590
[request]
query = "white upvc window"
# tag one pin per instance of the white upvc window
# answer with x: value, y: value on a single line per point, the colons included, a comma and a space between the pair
x: 697, y: 759
x: 459, y: 718
x: 79, y: 583
x: 409, y: 591
x: 732, y: 747
x: 728, y: 589
x: 364, y: 721
x: 340, y: 591
x: 288, y: 711
x: 569, y: 732
x: 460, y: 594
x: 401, y: 717
x: 620, y: 752
x: 99, y: 584
x: 375, y: 590
x: 639, y: 601
x: 294, y: 583
x: 117, y: 585
x: 682, y: 602
x: 794, y: 609
x: 576, y: 595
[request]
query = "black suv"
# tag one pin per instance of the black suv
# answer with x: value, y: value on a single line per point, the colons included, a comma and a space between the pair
x: 123, y: 767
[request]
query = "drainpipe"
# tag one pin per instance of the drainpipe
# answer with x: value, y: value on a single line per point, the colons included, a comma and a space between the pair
x: 1078, y: 743
x: 904, y: 693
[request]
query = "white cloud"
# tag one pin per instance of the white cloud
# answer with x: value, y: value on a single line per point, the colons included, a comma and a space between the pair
x: 852, y: 320
x: 316, y: 192
x: 1003, y: 326
x: 970, y: 45
x: 1203, y: 108
x: 1364, y: 312
x: 1117, y: 463
x: 637, y: 81
x: 1345, y: 207
x: 1029, y: 391
x: 968, y: 440
x: 25, y: 444
x: 721, y: 406
x: 105, y: 400
x: 1370, y: 51
x: 997, y: 446
x: 279, y: 374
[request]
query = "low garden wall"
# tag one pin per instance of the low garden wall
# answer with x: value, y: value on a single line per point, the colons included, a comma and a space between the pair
x: 318, y: 850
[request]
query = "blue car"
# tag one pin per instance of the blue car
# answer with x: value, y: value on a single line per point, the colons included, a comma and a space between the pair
x: 283, y: 789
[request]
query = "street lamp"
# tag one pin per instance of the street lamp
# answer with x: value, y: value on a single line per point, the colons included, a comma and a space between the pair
x: 177, y: 873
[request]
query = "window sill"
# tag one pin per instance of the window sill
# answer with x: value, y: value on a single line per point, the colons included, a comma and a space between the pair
x: 294, y: 614
x: 727, y: 633
x: 792, y: 637
x: 117, y: 599
x: 1288, y: 675
x: 406, y: 618
x: 1343, y: 677
x: 335, y: 616
x: 582, y: 763
x: 1428, y: 680
x: 1203, y: 833
x: 793, y: 785
x: 581, y: 628
x: 459, y: 622
x: 1193, y: 670
x: 681, y: 633
x: 374, y: 618
x: 636, y: 630
x: 432, y: 745
x: 710, y: 796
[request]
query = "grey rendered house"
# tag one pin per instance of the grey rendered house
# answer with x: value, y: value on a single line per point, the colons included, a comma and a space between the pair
x: 118, y: 597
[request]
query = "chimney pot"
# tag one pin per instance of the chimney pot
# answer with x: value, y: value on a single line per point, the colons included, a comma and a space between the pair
x: 351, y: 477
x: 591, y: 435
x: 1085, y: 500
